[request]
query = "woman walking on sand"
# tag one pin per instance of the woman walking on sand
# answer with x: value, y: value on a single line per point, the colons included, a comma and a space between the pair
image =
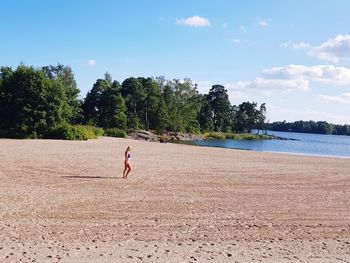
x: 127, y: 167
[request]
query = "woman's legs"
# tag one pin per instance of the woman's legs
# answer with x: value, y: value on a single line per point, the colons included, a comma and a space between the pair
x: 124, y: 171
x: 127, y: 169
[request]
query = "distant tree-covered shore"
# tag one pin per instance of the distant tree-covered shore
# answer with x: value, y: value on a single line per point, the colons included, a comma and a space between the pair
x: 318, y: 127
x: 43, y: 103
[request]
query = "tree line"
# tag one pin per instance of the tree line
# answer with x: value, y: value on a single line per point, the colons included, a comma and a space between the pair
x: 319, y: 127
x: 172, y: 105
x: 34, y: 102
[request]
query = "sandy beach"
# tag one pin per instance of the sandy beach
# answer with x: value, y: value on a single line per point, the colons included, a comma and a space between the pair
x: 65, y: 201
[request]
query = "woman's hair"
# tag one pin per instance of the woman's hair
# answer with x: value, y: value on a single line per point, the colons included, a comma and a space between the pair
x: 128, y: 149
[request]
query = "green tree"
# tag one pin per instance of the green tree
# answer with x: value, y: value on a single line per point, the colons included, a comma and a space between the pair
x: 93, y: 108
x: 246, y: 116
x: 206, y: 115
x: 161, y: 116
x: 65, y: 76
x: 30, y: 103
x: 108, y: 79
x: 184, y: 105
x: 112, y: 114
x: 134, y: 95
x: 104, y: 106
x: 319, y: 127
x: 150, y: 103
x: 220, y: 107
x: 260, y: 123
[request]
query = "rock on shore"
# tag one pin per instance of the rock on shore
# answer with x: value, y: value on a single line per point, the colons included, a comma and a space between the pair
x: 164, y: 137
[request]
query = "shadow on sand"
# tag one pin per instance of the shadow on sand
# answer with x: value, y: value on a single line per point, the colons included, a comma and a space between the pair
x: 89, y: 177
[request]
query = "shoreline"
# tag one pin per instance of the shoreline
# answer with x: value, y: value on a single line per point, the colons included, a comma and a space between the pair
x: 276, y: 152
x: 310, y: 155
x: 66, y: 201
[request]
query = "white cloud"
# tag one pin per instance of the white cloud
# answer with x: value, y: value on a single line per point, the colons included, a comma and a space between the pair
x: 224, y: 25
x: 321, y: 73
x: 195, y: 21
x: 301, y: 45
x: 342, y: 98
x: 264, y: 22
x: 243, y: 28
x: 286, y: 44
x: 204, y: 86
x: 280, y: 84
x: 233, y: 90
x: 91, y: 62
x: 334, y: 49
x: 296, y: 77
x: 234, y: 95
x: 236, y: 40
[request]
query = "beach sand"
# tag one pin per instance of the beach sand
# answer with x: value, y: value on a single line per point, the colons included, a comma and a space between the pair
x: 65, y: 201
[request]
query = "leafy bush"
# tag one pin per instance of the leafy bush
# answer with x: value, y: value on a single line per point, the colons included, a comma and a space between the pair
x: 90, y: 132
x: 74, y: 132
x: 65, y: 132
x: 114, y: 132
x: 98, y: 131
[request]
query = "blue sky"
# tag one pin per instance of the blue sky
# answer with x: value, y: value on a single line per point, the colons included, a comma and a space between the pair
x: 292, y: 54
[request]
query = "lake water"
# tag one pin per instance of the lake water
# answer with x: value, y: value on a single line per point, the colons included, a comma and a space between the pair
x: 304, y: 143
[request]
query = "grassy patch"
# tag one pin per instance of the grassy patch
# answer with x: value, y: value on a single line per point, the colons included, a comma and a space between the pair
x: 114, y: 132
x: 236, y: 136
x: 74, y: 132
